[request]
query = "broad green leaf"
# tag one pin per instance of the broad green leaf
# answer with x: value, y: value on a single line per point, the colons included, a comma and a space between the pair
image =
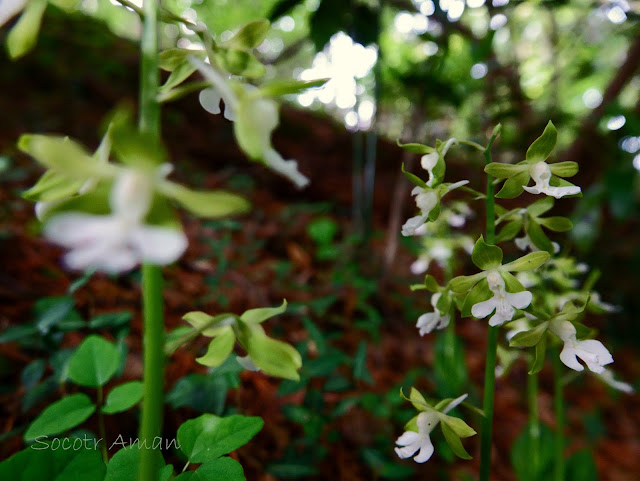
x: 564, y: 169
x: 454, y: 442
x: 541, y: 206
x: 225, y: 468
x: 504, y: 171
x: 416, y: 148
x: 250, y: 35
x: 261, y: 314
x: 240, y: 62
x: 124, y: 465
x: 208, y: 437
x: 360, y: 371
x: 529, y: 262
x: 457, y: 425
x: 209, y: 204
x: 538, y: 236
x: 462, y: 284
x: 62, y: 415
x: 278, y: 88
x: 540, y: 440
x: 95, y: 361
x: 123, y: 397
x: 486, y: 256
x: 219, y: 349
x: 110, y: 320
x: 529, y: 338
x: 581, y: 466
x: 24, y: 34
x: 542, y: 147
x: 512, y: 187
x: 556, y: 224
x: 414, y: 179
x: 274, y: 357
x: 509, y: 231
x: 540, y: 352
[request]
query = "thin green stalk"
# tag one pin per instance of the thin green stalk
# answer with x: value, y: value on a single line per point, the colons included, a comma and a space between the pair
x: 558, y: 407
x: 492, y: 337
x: 534, y: 422
x: 153, y: 377
x: 103, y: 433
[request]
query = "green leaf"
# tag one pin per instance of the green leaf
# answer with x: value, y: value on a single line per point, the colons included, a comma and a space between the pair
x: 261, y: 314
x: 486, y: 256
x: 225, y: 468
x: 540, y: 352
x: 209, y: 204
x: 61, y: 416
x: 462, y: 284
x: 509, y: 231
x: 524, y: 446
x: 454, y: 442
x: 416, y: 148
x: 219, y: 349
x: 529, y: 338
x: 240, y: 62
x: 123, y: 397
x: 208, y: 437
x: 275, y: 358
x: 414, y: 179
x: 94, y: 362
x: 538, y: 237
x: 512, y: 187
x: 457, y: 425
x: 556, y: 224
x: 24, y: 35
x: 360, y: 371
x: 582, y: 467
x: 542, y: 147
x: 250, y: 35
x: 110, y: 320
x: 124, y: 465
x: 504, y: 171
x: 278, y: 88
x: 564, y: 169
x: 529, y: 262
x: 51, y: 311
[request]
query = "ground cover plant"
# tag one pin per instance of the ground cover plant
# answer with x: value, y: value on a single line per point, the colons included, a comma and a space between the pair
x: 119, y: 377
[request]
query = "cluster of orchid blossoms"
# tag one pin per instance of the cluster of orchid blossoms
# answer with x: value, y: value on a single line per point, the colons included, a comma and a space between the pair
x: 551, y: 302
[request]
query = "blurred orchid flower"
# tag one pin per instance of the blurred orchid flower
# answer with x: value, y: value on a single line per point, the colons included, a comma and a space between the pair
x: 503, y: 302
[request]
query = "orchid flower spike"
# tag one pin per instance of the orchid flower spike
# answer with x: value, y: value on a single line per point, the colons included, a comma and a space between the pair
x: 503, y: 303
x: 426, y: 200
x: 592, y: 352
x: 411, y: 442
x: 117, y: 242
x: 541, y: 174
x: 433, y: 320
x: 429, y: 161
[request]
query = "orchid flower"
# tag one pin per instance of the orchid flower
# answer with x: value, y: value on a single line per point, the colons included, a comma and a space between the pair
x: 411, y: 442
x: 541, y: 174
x: 117, y: 242
x: 592, y: 352
x: 607, y: 377
x: 433, y: 320
x: 9, y: 9
x: 426, y: 200
x: 503, y: 303
x: 523, y: 243
x: 429, y: 161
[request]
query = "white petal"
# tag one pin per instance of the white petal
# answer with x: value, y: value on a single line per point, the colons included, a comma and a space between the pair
x: 568, y: 358
x: 159, y: 245
x: 532, y: 190
x: 559, y: 192
x: 420, y: 266
x: 104, y: 258
x: 131, y: 195
x: 455, y: 185
x: 563, y: 329
x: 453, y: 404
x: 519, y: 300
x: 409, y: 227
x: 210, y: 100
x: 501, y: 316
x: 286, y: 168
x: 78, y: 230
x: 426, y: 451
x: 427, y: 322
x: 408, y: 438
x: 483, y: 309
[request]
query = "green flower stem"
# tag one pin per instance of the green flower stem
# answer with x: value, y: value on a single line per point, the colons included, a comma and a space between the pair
x: 153, y: 341
x: 492, y: 338
x: 534, y: 422
x: 558, y: 407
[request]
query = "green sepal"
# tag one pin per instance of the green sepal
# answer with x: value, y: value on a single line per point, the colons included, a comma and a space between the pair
x: 540, y: 352
x: 556, y: 224
x: 454, y: 442
x: 416, y: 148
x: 504, y: 171
x: 462, y: 284
x: 274, y: 357
x: 206, y: 324
x: 278, y: 88
x: 457, y: 425
x: 509, y: 231
x: 434, y: 213
x: 240, y: 62
x: 529, y: 262
x: 564, y: 169
x: 542, y: 147
x: 181, y: 73
x: 209, y: 204
x: 444, y: 302
x: 250, y: 35
x: 431, y: 284
x: 140, y: 150
x: 486, y: 256
x: 512, y: 187
x: 414, y: 179
x: 529, y: 338
x: 479, y: 293
x: 540, y: 206
x: 24, y: 34
x: 261, y: 314
x: 95, y: 202
x: 582, y: 331
x: 511, y: 283
x: 255, y: 120
x: 412, y: 424
x: 52, y: 186
x: 219, y: 348
x: 171, y: 58
x: 177, y: 93
x: 538, y: 237
x: 417, y: 399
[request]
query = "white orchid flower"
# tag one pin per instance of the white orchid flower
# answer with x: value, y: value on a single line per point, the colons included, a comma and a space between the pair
x: 426, y: 200
x: 592, y: 352
x: 433, y: 320
x: 9, y: 9
x: 608, y: 378
x: 429, y: 161
x: 411, y: 442
x: 210, y: 100
x: 117, y: 242
x: 503, y: 303
x: 523, y: 243
x: 541, y: 175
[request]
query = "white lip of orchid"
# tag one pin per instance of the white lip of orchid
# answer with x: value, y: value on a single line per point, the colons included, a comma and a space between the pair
x: 218, y: 82
x: 432, y: 320
x: 428, y: 162
x: 607, y: 377
x: 541, y: 175
x: 412, y: 442
x: 591, y: 351
x: 503, y: 302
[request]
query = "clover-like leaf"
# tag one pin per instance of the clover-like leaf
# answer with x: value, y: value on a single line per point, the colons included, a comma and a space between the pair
x: 95, y: 361
x: 123, y: 397
x: 62, y: 415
